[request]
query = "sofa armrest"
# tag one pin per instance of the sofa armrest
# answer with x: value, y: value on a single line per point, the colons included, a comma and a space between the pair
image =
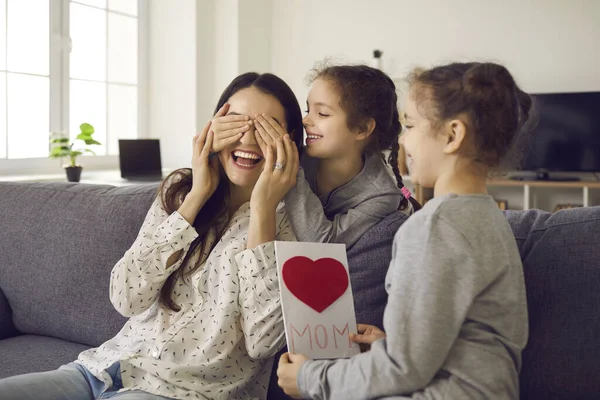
x: 7, y: 328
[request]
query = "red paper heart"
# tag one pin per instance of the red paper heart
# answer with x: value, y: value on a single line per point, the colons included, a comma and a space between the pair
x: 318, y: 284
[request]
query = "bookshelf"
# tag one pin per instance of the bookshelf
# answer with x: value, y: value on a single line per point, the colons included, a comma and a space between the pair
x: 531, y: 194
x: 523, y: 194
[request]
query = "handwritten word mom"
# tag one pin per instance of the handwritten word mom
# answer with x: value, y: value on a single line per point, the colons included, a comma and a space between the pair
x: 320, y: 336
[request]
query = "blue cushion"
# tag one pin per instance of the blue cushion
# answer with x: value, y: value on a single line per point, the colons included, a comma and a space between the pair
x: 59, y: 242
x: 7, y: 328
x: 561, y: 260
x: 32, y: 353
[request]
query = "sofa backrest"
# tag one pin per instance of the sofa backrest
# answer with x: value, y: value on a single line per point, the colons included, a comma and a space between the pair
x: 368, y: 263
x: 58, y: 244
x: 7, y: 328
x: 561, y: 261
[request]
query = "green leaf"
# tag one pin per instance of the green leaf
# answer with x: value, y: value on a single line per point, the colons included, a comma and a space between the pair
x: 87, y: 139
x: 84, y: 136
x: 76, y: 153
x: 59, y: 152
x: 60, y: 140
x: 86, y: 128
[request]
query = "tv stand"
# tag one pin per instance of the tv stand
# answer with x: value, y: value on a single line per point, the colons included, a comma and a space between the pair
x: 533, y: 192
x: 544, y: 175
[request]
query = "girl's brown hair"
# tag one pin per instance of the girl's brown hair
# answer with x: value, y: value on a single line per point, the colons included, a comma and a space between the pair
x: 178, y: 184
x: 367, y: 93
x: 486, y: 93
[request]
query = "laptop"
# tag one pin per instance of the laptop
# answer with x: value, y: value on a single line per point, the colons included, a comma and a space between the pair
x: 139, y: 160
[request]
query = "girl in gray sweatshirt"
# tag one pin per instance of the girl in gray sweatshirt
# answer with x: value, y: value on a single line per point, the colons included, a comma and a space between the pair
x: 344, y: 186
x: 456, y: 318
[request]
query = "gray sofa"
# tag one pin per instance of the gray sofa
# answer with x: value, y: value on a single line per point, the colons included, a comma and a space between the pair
x: 59, y: 241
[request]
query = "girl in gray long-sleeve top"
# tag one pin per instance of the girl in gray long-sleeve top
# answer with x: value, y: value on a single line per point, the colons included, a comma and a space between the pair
x: 456, y: 318
x: 344, y: 187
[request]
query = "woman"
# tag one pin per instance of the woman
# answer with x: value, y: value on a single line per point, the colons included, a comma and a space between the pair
x: 200, y: 282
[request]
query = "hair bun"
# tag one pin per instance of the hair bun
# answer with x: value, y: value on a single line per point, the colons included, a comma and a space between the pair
x: 488, y: 74
x: 487, y: 95
x: 489, y: 85
x: 493, y: 83
x: 525, y: 105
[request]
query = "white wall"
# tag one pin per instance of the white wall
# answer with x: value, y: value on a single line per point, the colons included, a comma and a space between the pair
x: 226, y: 57
x: 173, y: 78
x: 206, y: 65
x: 255, y: 21
x: 198, y: 46
x: 243, y: 39
x: 549, y: 45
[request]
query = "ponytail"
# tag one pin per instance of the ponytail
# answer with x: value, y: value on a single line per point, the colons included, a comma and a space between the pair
x: 393, y: 161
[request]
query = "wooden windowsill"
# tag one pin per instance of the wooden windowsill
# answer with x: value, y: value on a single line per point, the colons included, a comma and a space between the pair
x: 103, y: 177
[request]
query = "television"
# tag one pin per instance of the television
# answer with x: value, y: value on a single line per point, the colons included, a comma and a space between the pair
x: 566, y: 137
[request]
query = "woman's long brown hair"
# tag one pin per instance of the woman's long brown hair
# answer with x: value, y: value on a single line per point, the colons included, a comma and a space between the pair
x: 178, y: 184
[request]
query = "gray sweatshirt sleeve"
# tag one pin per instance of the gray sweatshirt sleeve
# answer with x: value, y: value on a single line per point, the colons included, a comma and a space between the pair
x: 431, y: 287
x: 310, y: 223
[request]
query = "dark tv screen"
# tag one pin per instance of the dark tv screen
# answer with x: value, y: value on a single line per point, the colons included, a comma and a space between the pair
x: 567, y: 135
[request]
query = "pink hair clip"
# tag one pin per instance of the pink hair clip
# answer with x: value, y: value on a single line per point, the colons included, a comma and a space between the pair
x: 406, y: 192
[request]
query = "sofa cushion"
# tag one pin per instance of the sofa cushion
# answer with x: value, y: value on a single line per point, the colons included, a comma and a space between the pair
x: 30, y: 353
x: 7, y: 328
x: 59, y: 242
x: 368, y: 262
x: 561, y: 260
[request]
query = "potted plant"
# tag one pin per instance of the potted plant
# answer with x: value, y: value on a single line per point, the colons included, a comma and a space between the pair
x: 62, y: 148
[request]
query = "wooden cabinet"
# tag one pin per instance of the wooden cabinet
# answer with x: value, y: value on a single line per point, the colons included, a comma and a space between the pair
x: 585, y: 193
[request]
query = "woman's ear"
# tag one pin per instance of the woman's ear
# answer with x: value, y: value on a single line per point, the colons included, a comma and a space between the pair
x: 456, y: 132
x: 366, y: 130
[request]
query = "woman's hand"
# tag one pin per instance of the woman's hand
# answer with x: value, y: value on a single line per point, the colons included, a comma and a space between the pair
x: 228, y: 129
x: 205, y: 169
x: 366, y: 336
x: 279, y: 172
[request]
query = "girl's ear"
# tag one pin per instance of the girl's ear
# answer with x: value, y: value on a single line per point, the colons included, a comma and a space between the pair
x: 366, y: 130
x: 456, y: 132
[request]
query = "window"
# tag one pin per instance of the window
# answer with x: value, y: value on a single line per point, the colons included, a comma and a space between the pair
x: 63, y: 63
x: 104, y: 70
x: 25, y: 72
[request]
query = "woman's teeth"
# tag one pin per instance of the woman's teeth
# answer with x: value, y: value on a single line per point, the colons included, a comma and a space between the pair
x: 245, y: 159
x: 243, y: 154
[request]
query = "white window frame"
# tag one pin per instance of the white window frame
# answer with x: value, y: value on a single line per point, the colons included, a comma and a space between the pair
x: 60, y: 44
